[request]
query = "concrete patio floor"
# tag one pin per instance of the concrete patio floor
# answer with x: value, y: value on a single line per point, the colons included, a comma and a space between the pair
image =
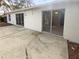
x: 19, y: 43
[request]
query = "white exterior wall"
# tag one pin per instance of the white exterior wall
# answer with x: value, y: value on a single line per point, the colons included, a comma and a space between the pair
x: 8, y: 19
x: 33, y: 20
x: 13, y: 19
x: 71, y: 27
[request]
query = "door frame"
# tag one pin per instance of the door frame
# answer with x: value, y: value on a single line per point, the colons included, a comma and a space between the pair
x: 42, y: 19
x: 22, y: 22
x: 52, y: 20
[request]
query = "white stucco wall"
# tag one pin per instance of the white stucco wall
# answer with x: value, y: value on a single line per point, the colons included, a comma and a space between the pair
x: 33, y: 20
x: 8, y: 19
x: 13, y: 19
x: 71, y: 27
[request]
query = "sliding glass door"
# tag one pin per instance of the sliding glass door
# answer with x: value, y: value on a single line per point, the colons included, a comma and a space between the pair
x: 53, y: 21
x: 20, y: 19
x: 46, y: 20
x: 58, y: 21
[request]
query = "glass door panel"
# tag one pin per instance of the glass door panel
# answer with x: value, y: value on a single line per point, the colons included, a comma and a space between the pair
x: 58, y: 21
x: 46, y: 20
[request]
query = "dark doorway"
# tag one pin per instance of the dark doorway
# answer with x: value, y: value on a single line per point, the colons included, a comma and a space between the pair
x: 3, y: 19
x: 46, y: 20
x: 20, y: 19
x: 58, y: 21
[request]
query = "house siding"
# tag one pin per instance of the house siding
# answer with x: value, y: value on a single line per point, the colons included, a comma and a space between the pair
x: 33, y: 19
x: 71, y: 27
x: 13, y: 19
